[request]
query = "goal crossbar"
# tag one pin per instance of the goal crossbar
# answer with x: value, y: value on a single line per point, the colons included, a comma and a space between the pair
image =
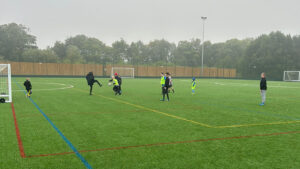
x: 124, y: 72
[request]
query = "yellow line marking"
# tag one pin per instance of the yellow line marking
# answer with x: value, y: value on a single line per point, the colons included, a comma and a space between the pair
x: 258, y: 124
x: 152, y: 110
x: 191, y: 121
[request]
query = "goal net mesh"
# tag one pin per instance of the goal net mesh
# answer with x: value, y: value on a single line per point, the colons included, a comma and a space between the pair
x: 5, y: 89
x: 291, y: 76
x: 124, y: 72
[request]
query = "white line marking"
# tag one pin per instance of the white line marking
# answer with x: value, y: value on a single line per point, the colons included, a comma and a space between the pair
x: 65, y: 86
x: 252, y: 85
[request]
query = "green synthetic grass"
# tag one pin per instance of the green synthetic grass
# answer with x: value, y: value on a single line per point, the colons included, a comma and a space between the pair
x: 138, y: 118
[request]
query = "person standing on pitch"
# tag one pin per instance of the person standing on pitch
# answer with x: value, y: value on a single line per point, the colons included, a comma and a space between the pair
x: 162, y: 82
x: 263, y: 89
x: 193, y: 85
x: 120, y: 81
x: 91, y: 80
x: 28, y: 87
x: 171, y: 85
x: 166, y: 87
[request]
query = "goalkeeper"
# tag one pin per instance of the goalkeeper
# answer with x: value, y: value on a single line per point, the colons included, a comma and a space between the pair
x: 28, y: 87
x: 116, y: 87
x: 118, y: 77
x: 91, y: 80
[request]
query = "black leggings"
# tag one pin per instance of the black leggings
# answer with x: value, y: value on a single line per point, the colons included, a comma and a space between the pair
x: 97, y: 82
x: 165, y: 92
x: 91, y: 89
x: 116, y: 89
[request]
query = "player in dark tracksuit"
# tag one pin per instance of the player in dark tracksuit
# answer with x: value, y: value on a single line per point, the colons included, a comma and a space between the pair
x: 91, y: 80
x: 28, y: 87
x: 120, y: 82
x: 166, y: 87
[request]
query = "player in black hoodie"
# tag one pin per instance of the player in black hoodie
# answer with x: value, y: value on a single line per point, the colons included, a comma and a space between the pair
x: 166, y: 87
x: 263, y: 89
x: 91, y: 80
x: 28, y: 87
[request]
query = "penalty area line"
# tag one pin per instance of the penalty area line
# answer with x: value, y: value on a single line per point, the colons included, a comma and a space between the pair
x: 258, y: 124
x: 168, y: 143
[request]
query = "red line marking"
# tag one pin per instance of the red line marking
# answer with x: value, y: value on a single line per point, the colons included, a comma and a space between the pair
x: 169, y: 143
x: 21, y: 148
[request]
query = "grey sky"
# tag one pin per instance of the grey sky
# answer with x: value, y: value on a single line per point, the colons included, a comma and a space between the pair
x: 173, y: 20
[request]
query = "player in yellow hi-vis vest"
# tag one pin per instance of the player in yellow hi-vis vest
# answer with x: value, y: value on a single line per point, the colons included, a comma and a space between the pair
x: 193, y: 85
x: 162, y: 82
x: 116, y: 87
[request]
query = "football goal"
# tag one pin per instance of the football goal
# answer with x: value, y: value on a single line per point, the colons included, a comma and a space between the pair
x: 124, y: 72
x: 291, y: 76
x: 5, y: 83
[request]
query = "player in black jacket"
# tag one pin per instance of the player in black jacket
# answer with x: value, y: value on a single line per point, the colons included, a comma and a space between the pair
x: 28, y: 87
x: 166, y: 87
x: 91, y: 80
x: 263, y: 88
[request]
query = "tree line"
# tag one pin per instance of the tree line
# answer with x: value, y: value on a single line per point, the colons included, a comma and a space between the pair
x: 271, y: 53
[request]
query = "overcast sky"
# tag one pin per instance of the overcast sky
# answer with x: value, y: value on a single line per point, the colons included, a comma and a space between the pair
x: 173, y: 20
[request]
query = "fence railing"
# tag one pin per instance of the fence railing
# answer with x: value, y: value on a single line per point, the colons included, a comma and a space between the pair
x: 61, y: 69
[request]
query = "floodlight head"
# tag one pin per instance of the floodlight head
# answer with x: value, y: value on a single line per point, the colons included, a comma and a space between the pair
x: 203, y: 17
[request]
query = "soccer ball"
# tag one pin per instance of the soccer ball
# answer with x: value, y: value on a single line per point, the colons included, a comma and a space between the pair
x: 109, y: 84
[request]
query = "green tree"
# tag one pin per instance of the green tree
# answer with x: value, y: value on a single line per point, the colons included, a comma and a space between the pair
x: 120, y: 52
x: 73, y: 55
x: 14, y: 39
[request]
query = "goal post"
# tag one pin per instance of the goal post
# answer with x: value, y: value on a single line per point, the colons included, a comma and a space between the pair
x: 291, y: 76
x: 5, y: 82
x: 124, y: 72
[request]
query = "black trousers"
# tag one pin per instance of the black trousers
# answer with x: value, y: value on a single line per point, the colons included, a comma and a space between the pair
x: 91, y: 85
x: 91, y: 89
x: 165, y: 92
x: 116, y: 89
x: 96, y: 81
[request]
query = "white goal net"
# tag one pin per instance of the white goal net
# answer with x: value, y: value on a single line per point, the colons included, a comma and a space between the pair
x: 292, y: 76
x: 124, y: 72
x: 5, y: 82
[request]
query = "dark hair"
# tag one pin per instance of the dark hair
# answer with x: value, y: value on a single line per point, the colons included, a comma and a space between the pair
x: 168, y: 73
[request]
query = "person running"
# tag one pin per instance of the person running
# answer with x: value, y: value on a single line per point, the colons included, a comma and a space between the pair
x: 28, y: 87
x: 263, y: 89
x: 120, y: 81
x: 91, y: 80
x: 193, y: 85
x: 166, y: 88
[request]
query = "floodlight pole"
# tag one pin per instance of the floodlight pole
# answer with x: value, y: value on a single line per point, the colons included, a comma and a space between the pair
x: 203, y: 18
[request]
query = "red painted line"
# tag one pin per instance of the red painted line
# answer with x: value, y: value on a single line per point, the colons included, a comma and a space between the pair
x: 21, y: 148
x: 169, y: 143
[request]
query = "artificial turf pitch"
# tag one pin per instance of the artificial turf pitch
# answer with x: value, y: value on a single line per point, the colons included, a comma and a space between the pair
x: 221, y: 126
